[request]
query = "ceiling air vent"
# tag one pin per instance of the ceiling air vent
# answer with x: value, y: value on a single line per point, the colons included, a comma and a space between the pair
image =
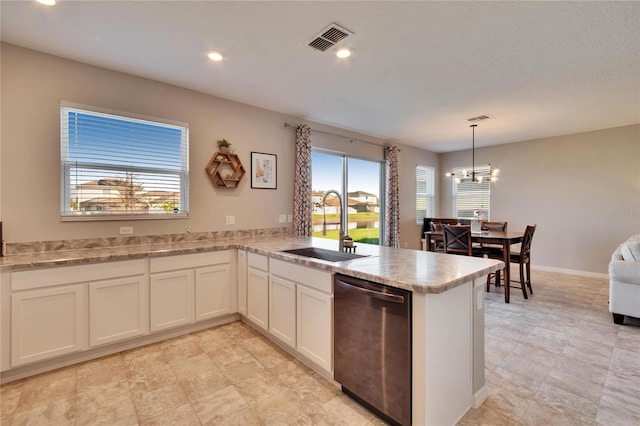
x: 329, y: 37
x: 479, y: 118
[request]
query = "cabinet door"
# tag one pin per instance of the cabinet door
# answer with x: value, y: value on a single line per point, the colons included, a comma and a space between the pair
x: 315, y: 326
x: 47, y: 323
x: 118, y: 309
x: 171, y: 299
x: 242, y: 282
x: 282, y: 310
x: 213, y: 291
x: 258, y: 297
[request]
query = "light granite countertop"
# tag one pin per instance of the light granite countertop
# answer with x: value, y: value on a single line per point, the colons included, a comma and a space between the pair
x: 418, y: 271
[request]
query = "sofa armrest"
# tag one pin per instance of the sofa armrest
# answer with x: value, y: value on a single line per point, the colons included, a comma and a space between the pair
x: 624, y: 271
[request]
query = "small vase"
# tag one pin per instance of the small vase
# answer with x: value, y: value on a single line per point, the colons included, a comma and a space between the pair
x: 224, y: 149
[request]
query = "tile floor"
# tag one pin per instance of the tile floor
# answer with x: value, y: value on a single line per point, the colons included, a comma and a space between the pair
x: 555, y: 359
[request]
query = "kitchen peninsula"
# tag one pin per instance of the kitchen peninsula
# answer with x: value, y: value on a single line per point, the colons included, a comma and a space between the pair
x: 447, y: 305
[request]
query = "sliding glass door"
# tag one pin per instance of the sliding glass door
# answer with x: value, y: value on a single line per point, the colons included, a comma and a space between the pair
x: 361, y: 181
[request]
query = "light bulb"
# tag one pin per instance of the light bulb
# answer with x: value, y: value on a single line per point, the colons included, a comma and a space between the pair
x: 215, y: 56
x: 343, y: 52
x: 47, y: 2
x: 448, y: 174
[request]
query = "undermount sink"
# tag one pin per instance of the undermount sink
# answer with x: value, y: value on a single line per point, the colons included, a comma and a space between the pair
x: 324, y: 254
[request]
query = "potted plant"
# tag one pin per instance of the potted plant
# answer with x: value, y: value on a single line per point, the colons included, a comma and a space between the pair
x: 224, y: 146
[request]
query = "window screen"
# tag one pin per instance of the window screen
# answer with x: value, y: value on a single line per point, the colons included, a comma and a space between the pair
x: 469, y: 195
x: 114, y: 166
x: 424, y: 193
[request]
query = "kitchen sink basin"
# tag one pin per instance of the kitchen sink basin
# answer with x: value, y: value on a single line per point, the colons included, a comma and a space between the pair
x: 324, y: 254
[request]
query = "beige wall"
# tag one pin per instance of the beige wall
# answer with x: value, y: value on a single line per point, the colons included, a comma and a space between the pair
x: 33, y: 84
x: 582, y: 190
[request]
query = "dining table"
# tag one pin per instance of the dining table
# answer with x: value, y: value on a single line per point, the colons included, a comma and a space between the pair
x: 504, y: 238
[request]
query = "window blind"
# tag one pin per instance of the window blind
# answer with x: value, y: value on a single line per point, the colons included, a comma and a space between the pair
x: 118, y: 166
x: 469, y: 195
x: 424, y: 193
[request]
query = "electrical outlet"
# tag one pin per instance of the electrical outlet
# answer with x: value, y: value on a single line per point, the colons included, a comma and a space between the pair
x: 230, y: 220
x: 126, y: 230
x: 289, y: 218
x: 282, y: 218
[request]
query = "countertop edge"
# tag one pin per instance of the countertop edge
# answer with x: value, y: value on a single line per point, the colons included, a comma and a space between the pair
x: 86, y: 256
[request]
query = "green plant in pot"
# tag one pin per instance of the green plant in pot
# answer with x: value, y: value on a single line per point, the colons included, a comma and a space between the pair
x: 224, y: 145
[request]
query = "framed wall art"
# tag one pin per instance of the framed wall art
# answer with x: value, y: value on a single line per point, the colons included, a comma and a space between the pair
x: 264, y: 170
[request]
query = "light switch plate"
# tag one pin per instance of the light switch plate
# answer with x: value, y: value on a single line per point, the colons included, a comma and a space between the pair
x: 230, y: 220
x: 126, y: 230
x: 282, y: 218
x: 289, y: 218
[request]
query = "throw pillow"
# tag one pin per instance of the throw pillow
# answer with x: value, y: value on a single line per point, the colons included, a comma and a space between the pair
x: 630, y: 251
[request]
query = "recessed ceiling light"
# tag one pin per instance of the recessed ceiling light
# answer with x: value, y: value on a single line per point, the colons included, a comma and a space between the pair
x: 47, y: 2
x: 343, y: 52
x: 215, y: 56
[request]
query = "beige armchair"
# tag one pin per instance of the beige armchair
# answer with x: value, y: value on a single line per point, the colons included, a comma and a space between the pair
x: 624, y: 280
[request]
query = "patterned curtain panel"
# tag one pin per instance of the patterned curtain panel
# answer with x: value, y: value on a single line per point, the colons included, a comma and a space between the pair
x: 392, y: 198
x: 302, y: 208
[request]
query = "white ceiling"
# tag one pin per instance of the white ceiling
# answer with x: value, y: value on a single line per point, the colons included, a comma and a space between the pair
x: 419, y: 69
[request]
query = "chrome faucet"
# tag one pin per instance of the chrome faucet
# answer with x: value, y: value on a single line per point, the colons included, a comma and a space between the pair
x: 324, y: 223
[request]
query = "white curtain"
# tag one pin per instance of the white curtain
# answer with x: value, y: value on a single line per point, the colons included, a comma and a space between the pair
x: 392, y: 198
x: 302, y: 207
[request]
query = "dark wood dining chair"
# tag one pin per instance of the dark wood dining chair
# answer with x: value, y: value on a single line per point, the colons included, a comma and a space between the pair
x: 457, y: 240
x: 436, y: 226
x: 523, y: 259
x: 493, y: 251
x: 493, y: 226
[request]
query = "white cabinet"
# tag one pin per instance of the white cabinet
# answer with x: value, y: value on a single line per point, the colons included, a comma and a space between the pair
x: 315, y: 326
x: 302, y: 304
x: 190, y: 287
x: 242, y: 282
x: 118, y: 309
x: 56, y: 311
x: 213, y: 291
x: 171, y: 299
x: 282, y: 310
x: 258, y: 290
x: 48, y: 322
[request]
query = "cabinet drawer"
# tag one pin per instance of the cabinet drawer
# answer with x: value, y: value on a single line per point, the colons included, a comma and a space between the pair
x: 39, y: 278
x: 187, y: 261
x: 313, y: 278
x: 258, y: 261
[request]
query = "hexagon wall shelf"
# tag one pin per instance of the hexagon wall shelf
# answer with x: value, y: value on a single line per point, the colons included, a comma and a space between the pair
x: 225, y: 170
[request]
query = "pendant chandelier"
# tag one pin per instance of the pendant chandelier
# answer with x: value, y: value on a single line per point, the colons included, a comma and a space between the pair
x: 474, y: 175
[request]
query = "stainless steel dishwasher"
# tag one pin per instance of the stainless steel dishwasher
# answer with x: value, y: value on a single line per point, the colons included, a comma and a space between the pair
x: 372, y: 346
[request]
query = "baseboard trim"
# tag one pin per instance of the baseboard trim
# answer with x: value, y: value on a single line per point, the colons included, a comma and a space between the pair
x: 480, y: 396
x: 569, y: 271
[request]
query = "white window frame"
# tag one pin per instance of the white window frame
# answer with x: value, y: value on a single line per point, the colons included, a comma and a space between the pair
x: 67, y: 163
x: 428, y: 196
x: 483, y: 189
